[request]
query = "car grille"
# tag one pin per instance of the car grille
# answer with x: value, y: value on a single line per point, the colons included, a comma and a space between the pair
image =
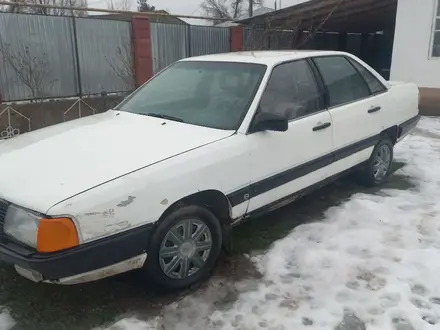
x: 3, y: 208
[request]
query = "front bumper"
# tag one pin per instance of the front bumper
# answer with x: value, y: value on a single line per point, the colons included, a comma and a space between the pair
x: 124, y: 250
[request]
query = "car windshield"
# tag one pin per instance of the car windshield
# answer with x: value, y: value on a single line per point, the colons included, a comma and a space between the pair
x: 211, y: 94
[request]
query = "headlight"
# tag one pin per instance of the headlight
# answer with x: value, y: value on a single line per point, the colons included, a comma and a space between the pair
x: 45, y: 235
x: 22, y: 225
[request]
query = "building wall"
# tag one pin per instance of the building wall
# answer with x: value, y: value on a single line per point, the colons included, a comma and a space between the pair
x: 412, y: 44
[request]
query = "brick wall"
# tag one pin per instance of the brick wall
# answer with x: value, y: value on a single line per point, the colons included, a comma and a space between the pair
x: 429, y: 101
x: 143, y: 60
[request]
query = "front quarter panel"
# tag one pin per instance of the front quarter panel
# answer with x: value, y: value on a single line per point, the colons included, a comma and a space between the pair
x: 141, y: 197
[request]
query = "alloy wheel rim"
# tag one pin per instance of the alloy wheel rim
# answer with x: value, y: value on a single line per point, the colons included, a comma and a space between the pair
x: 381, y: 162
x: 185, y: 249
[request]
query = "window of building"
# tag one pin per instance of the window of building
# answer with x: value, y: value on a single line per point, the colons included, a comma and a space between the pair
x: 436, y: 33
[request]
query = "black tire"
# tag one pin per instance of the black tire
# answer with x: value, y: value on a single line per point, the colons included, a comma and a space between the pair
x: 366, y: 174
x: 152, y: 267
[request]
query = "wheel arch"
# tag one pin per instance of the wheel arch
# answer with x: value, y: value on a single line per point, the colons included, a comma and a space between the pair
x: 217, y: 203
x: 392, y: 132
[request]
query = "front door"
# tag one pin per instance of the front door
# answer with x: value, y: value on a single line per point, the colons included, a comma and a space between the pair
x: 283, y: 163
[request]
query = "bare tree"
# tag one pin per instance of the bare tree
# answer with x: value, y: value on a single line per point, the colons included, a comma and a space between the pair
x: 231, y: 9
x: 119, y: 4
x: 122, y: 64
x: 49, y: 11
x: 300, y: 29
x: 31, y: 70
x: 15, y: 9
x: 143, y: 5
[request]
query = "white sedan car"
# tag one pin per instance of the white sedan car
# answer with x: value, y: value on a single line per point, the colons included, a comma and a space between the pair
x: 157, y: 182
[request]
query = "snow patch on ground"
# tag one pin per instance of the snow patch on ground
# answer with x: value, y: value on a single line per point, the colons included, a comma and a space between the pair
x: 6, y: 322
x: 133, y: 324
x: 373, y: 263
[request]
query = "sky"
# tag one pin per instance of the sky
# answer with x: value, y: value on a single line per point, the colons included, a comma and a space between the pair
x: 187, y: 7
x: 192, y: 7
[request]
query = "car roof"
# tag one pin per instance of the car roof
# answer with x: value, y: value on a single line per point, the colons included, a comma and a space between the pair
x: 269, y: 57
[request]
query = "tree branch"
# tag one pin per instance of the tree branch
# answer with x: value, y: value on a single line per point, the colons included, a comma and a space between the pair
x: 232, y: 9
x: 31, y: 71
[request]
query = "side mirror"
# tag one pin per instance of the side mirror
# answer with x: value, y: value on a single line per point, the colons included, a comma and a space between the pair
x: 267, y: 121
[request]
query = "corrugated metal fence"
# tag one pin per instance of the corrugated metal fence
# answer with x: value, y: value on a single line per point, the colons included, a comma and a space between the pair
x: 38, y: 56
x: 105, y: 55
x: 169, y: 43
x: 36, y: 51
x: 261, y: 39
x: 172, y: 42
x: 209, y: 40
x: 255, y: 39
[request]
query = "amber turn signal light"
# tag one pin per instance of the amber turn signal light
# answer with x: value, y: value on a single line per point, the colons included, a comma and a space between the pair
x: 56, y: 235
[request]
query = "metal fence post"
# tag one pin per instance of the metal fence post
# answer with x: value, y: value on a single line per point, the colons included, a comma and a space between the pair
x: 75, y: 46
x: 189, y: 40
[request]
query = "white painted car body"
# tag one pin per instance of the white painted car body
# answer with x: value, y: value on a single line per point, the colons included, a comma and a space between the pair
x: 116, y: 171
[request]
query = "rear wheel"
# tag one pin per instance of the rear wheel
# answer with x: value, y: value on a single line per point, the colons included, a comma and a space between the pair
x: 378, y: 167
x: 185, y: 248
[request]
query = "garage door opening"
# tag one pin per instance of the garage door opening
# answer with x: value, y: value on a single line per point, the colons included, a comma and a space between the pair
x: 364, y: 28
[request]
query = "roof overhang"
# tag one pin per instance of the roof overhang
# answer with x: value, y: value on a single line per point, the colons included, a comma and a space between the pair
x: 351, y: 16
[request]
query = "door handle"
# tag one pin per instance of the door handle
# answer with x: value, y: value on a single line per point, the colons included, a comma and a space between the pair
x: 321, y: 126
x: 374, y: 109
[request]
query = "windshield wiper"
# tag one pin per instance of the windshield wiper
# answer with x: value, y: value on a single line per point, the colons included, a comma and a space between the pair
x: 159, y: 115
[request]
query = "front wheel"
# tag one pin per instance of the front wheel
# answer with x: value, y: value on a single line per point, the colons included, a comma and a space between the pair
x: 185, y: 248
x: 378, y: 167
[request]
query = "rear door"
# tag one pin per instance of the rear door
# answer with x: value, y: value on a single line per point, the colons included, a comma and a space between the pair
x: 386, y: 114
x: 354, y: 108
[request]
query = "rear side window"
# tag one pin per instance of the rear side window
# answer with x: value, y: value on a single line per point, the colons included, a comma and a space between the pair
x: 373, y: 83
x: 344, y: 83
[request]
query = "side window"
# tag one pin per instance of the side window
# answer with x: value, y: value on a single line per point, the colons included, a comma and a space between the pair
x: 291, y: 91
x: 436, y: 33
x: 373, y: 83
x: 344, y: 83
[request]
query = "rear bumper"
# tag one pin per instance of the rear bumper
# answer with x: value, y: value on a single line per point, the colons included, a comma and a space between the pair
x: 94, y: 260
x: 407, y: 126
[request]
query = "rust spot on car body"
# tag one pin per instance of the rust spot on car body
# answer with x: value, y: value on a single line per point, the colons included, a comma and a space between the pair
x: 109, y: 213
x: 89, y: 214
x: 127, y: 202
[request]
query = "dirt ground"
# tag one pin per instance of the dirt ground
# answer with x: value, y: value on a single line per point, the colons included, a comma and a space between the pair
x: 49, y: 307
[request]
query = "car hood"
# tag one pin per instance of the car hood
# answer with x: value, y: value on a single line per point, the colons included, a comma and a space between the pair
x: 42, y: 168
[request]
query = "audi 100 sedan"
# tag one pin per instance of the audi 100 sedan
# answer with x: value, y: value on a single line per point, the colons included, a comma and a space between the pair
x: 158, y: 182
